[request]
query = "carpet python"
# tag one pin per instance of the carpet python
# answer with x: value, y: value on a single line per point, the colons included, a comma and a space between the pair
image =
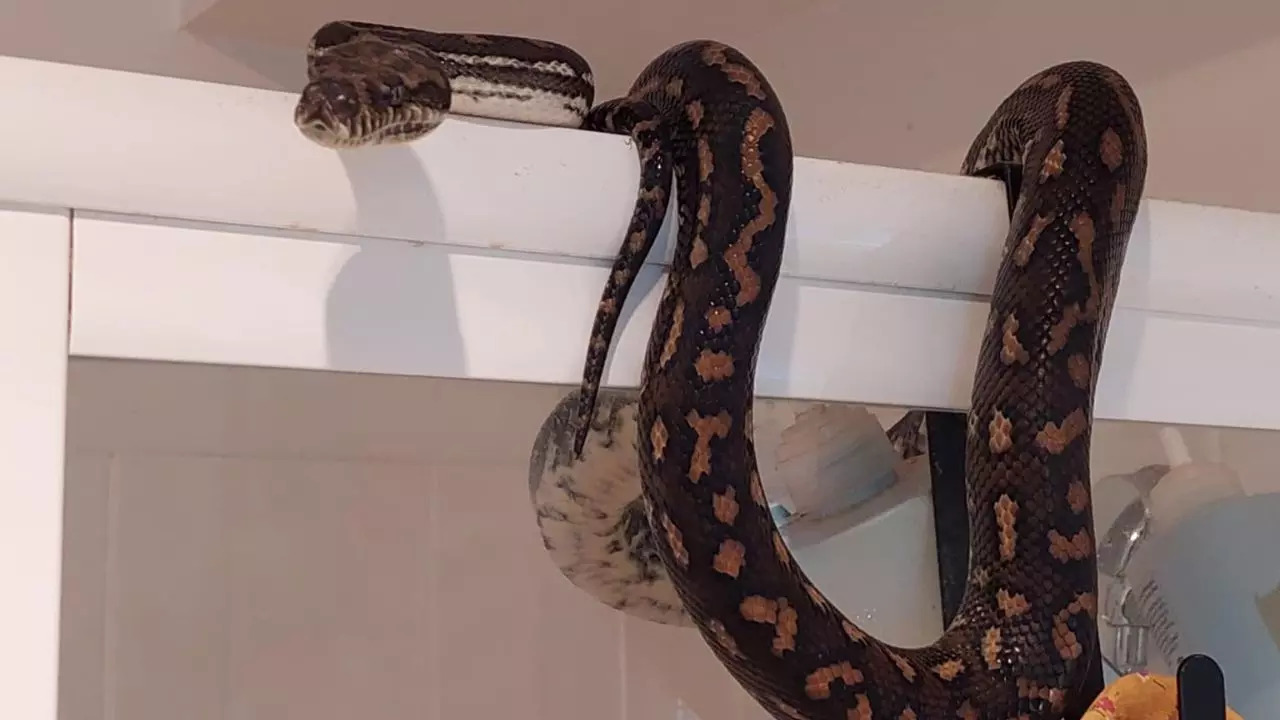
x: 1070, y: 145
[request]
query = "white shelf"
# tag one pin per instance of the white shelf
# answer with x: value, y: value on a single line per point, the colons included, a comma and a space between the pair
x: 209, y: 230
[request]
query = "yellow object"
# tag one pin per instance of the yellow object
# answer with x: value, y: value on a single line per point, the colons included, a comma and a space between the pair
x: 1140, y: 696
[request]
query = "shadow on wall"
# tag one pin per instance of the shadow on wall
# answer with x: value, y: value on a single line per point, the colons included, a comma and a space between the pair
x: 391, y: 308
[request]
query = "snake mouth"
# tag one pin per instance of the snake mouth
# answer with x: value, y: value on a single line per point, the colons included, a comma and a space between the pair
x: 324, y: 127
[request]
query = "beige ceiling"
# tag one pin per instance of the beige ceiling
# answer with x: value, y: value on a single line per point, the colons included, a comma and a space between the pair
x: 903, y: 82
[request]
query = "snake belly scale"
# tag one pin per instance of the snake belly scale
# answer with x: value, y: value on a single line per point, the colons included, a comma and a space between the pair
x: 1071, y: 144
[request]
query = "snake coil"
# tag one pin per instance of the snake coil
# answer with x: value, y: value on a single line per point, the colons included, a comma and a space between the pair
x: 1071, y: 147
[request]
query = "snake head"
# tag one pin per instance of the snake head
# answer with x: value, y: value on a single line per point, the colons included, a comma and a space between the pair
x: 367, y: 91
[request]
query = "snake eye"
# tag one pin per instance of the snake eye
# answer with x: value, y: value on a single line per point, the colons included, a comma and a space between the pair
x: 395, y: 95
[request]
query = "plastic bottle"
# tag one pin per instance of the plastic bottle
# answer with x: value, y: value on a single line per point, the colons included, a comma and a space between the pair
x: 1135, y: 603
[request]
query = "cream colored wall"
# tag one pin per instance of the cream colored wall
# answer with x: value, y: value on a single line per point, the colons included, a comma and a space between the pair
x: 138, y: 36
x: 248, y: 543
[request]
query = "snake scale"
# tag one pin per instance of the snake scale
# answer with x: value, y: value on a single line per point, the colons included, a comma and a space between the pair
x: 1069, y: 144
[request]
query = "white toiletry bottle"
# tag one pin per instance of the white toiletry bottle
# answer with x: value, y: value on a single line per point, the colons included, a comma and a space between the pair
x: 1187, y: 488
x: 849, y: 507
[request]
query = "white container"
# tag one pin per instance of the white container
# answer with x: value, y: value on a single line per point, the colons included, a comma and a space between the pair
x: 851, y: 502
x: 1187, y: 488
x: 843, y: 498
x: 1189, y: 564
x: 1218, y: 572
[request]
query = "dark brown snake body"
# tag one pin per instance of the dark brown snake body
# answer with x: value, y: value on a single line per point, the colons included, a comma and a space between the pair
x: 1070, y: 142
x: 1071, y: 146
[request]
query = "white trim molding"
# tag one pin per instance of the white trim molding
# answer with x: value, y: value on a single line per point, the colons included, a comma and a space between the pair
x: 209, y: 230
x: 34, y: 265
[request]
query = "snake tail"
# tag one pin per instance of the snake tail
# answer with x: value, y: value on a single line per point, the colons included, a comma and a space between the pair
x: 636, y: 117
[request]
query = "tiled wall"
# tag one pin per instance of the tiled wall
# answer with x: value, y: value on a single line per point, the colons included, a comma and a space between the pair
x: 246, y: 543
x: 263, y: 544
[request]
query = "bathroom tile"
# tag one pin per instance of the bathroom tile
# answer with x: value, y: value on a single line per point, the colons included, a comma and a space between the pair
x: 484, y: 570
x: 166, y: 581
x: 579, y: 640
x: 85, y: 541
x: 328, y: 611
x: 150, y: 407
x: 671, y: 673
x: 132, y: 406
x: 516, y: 638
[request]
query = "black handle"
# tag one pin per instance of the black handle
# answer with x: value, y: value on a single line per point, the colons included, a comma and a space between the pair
x: 1202, y: 693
